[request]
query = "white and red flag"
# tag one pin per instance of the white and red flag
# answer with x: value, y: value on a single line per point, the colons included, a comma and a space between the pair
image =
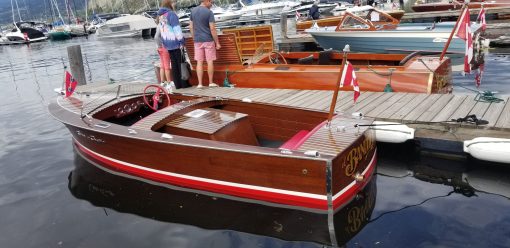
x: 464, y: 32
x: 481, y: 18
x: 297, y: 15
x: 349, y: 77
x: 70, y: 84
x: 479, y: 74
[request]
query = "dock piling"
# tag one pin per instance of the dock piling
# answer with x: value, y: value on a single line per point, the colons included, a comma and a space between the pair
x: 76, y: 64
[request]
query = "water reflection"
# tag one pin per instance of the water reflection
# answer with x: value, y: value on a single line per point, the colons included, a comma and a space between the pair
x: 162, y: 203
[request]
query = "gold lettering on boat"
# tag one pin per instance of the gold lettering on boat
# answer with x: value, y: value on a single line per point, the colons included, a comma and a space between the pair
x: 357, y: 154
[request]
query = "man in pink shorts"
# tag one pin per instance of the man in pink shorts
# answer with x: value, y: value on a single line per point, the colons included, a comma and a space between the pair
x: 205, y: 37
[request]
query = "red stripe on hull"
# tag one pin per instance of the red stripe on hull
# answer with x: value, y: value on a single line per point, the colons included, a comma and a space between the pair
x: 292, y: 200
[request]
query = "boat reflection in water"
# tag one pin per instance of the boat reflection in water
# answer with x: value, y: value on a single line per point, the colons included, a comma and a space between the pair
x: 162, y: 202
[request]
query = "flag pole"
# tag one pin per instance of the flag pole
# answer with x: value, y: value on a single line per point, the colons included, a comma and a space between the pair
x: 337, y: 88
x: 453, y: 30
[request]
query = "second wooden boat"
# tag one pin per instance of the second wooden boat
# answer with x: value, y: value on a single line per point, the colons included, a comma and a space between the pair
x: 319, y: 70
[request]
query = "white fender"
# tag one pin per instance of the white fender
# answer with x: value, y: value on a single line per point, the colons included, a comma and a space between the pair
x: 489, y: 149
x: 392, y: 133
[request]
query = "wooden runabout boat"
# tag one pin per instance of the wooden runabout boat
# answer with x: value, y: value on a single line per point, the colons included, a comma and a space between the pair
x: 443, y: 5
x: 319, y: 70
x: 368, y: 34
x: 361, y: 11
x: 133, y: 195
x: 248, y: 150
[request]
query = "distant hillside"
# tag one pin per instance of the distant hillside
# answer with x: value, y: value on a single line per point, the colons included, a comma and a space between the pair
x: 36, y: 9
x: 42, y: 10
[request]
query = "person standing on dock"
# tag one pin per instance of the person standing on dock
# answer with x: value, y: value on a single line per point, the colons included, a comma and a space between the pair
x: 172, y: 39
x: 205, y: 38
x: 164, y: 56
x: 314, y: 13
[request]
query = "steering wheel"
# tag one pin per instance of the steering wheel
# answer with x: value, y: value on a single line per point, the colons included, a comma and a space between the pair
x: 156, y: 97
x: 275, y: 60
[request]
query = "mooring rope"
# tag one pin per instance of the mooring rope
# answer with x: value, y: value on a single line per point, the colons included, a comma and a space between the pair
x: 484, y: 96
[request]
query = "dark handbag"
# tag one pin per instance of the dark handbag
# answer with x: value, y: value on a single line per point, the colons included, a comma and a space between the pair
x: 185, y: 68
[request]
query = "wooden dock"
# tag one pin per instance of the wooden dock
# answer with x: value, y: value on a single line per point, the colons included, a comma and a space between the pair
x: 428, y: 114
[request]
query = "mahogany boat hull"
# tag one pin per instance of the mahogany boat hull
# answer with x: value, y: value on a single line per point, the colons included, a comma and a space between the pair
x: 415, y: 77
x: 240, y: 171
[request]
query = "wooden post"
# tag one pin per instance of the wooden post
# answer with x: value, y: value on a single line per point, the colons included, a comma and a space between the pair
x: 445, y: 48
x: 337, y: 88
x: 283, y: 24
x: 76, y: 64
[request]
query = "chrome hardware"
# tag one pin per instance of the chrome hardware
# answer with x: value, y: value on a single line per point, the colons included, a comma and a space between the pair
x: 246, y: 99
x: 285, y: 151
x: 102, y: 125
x: 166, y: 136
x: 340, y: 128
x: 359, y: 178
x: 132, y: 131
x: 312, y: 154
x: 304, y: 171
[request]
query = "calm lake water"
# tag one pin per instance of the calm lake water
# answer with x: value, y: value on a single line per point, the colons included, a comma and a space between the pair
x: 49, y: 197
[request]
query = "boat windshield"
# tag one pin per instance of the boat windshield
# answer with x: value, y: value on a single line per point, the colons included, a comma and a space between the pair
x: 352, y: 23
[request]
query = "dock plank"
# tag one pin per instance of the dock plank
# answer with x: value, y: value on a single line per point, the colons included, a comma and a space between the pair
x: 403, y: 101
x: 385, y: 96
x: 291, y: 98
x: 494, y: 112
x: 504, y: 118
x: 464, y: 108
x: 419, y: 109
x: 385, y: 105
x: 407, y: 108
x: 450, y: 108
x: 347, y: 104
x: 317, y: 96
x: 435, y: 108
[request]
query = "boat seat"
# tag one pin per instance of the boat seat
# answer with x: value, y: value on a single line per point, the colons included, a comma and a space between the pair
x: 325, y: 57
x: 295, y: 141
x: 306, y: 60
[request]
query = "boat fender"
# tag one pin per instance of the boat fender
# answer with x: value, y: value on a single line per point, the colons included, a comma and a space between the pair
x: 312, y: 154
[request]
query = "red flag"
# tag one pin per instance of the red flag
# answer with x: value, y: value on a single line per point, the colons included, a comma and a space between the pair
x: 70, y: 84
x: 348, y: 76
x: 464, y: 32
x: 481, y: 18
x: 479, y: 74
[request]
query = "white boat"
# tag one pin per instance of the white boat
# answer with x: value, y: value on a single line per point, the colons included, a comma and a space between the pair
x: 392, y: 132
x: 127, y: 26
x: 489, y: 149
x: 221, y: 14
x: 23, y: 33
x: 323, y: 7
x: 257, y: 8
x: 370, y: 30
